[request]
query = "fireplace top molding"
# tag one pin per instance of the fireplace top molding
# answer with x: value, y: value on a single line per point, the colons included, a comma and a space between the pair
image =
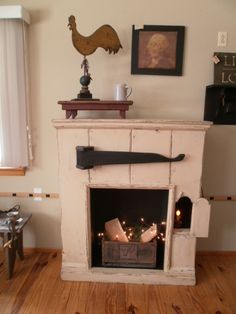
x: 131, y: 123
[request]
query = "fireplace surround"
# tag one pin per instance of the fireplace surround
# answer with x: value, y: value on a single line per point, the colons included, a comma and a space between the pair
x: 180, y: 180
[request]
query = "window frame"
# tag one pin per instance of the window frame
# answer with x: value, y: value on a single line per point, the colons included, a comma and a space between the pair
x: 8, y: 171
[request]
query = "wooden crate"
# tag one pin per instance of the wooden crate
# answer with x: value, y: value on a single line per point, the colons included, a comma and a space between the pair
x: 129, y: 254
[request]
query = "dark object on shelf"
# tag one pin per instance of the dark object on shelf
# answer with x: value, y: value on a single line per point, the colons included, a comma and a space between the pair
x: 72, y: 106
x: 85, y: 80
x: 220, y: 104
x: 84, y: 92
x: 129, y: 254
x: 87, y: 158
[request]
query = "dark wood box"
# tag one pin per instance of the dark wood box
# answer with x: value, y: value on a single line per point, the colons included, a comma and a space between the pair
x: 220, y: 104
x: 129, y: 254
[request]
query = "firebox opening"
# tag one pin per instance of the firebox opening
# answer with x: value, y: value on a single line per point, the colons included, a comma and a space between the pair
x: 139, y: 209
x: 183, y: 213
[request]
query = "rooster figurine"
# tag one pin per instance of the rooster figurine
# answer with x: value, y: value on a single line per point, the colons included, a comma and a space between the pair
x: 104, y: 37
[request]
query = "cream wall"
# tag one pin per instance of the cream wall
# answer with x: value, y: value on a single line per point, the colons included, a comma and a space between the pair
x: 55, y: 72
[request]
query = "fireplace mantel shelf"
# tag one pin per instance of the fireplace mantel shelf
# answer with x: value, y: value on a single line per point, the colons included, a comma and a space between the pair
x: 131, y: 123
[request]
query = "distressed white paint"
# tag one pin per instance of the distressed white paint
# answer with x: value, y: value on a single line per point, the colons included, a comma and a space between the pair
x: 74, y: 272
x: 73, y: 197
x: 183, y: 251
x: 148, y: 124
x: 186, y: 175
x: 169, y: 138
x: 200, y: 218
x: 111, y: 140
x: 169, y: 229
x: 151, y: 141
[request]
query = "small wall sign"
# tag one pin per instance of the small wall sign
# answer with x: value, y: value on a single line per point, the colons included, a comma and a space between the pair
x: 224, y: 68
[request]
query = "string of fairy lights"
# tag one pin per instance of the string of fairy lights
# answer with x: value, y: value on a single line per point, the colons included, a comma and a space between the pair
x: 135, y: 232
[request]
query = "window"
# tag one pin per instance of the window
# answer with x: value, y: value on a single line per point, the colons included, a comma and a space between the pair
x: 14, y: 126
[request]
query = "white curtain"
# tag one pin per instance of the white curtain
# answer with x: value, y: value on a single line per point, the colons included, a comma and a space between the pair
x: 13, y: 94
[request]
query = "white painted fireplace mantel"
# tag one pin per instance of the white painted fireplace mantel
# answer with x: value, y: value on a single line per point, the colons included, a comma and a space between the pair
x: 168, y: 138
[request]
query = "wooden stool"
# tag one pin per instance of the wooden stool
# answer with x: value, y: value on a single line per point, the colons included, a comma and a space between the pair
x: 16, y: 244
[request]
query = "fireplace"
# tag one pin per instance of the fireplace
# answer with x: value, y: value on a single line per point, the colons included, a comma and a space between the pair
x: 165, y: 194
x: 137, y: 209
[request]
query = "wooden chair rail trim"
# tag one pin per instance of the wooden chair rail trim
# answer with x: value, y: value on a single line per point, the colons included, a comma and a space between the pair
x: 12, y: 171
x: 221, y: 198
x: 29, y: 194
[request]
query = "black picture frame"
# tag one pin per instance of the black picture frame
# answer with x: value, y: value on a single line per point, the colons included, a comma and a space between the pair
x: 157, y: 50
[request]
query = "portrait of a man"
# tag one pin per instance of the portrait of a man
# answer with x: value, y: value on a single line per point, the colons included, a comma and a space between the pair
x: 157, y: 50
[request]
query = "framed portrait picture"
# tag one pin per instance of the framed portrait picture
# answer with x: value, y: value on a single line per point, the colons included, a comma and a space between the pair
x: 157, y: 50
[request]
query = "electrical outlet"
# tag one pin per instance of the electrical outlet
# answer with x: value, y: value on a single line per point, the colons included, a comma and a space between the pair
x: 222, y: 39
x: 39, y: 191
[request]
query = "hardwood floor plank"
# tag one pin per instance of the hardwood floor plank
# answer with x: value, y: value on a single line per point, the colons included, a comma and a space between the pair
x: 9, y: 289
x: 217, y: 269
x: 36, y: 288
x: 42, y: 293
x: 137, y: 298
x: 73, y: 304
x: 204, y: 295
x: 120, y: 298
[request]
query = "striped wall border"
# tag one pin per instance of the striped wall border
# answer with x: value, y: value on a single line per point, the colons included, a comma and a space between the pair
x: 221, y: 198
x: 29, y: 195
x: 217, y: 198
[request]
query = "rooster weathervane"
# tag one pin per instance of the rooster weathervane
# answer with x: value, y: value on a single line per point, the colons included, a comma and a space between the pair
x: 104, y: 37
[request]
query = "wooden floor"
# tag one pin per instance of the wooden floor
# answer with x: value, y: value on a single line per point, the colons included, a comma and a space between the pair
x: 36, y: 287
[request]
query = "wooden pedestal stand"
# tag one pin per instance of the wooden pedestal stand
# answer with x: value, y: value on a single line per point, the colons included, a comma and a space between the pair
x: 71, y: 107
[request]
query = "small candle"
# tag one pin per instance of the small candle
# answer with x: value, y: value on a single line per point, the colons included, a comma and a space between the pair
x: 178, y: 212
